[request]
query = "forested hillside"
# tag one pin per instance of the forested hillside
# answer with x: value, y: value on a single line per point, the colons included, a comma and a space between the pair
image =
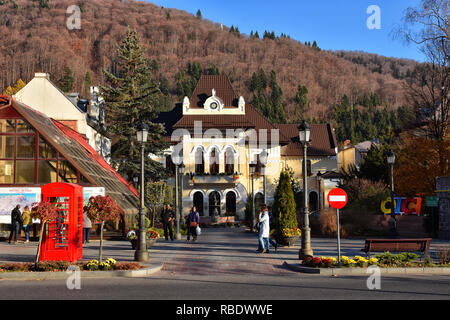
x: 300, y: 79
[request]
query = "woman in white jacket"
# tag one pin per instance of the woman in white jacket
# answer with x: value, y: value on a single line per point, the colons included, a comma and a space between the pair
x: 264, y: 230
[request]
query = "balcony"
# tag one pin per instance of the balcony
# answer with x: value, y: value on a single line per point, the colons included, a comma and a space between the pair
x: 217, y: 179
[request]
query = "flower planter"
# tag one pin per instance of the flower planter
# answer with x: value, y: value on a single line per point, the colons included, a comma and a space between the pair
x: 150, y: 242
x: 289, y: 241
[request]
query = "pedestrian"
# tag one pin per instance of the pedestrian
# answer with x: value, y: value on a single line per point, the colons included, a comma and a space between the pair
x: 87, y: 225
x: 264, y: 230
x: 167, y: 220
x: 192, y: 222
x: 16, y: 221
x: 26, y: 223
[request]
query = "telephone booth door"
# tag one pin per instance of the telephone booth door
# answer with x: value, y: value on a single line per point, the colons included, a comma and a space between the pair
x: 62, y: 238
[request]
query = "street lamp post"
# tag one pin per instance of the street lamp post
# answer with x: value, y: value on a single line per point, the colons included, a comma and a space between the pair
x: 141, y: 253
x: 252, y: 167
x: 304, y: 130
x: 177, y: 206
x: 263, y: 171
x: 392, y: 220
x: 319, y: 180
x: 181, y: 168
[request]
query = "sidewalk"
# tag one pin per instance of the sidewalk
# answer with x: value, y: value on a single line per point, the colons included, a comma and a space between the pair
x: 220, y: 248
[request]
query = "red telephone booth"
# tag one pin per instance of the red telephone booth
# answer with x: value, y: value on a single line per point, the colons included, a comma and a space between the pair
x: 62, y: 238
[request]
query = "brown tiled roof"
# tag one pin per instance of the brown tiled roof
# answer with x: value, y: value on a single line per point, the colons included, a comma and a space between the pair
x: 221, y: 84
x: 81, y: 157
x: 323, y: 141
x: 251, y: 120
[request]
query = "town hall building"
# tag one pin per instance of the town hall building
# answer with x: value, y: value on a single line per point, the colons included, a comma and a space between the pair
x: 227, y: 146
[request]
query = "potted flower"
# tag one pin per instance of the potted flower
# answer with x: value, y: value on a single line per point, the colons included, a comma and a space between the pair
x: 290, y: 236
x: 151, y: 237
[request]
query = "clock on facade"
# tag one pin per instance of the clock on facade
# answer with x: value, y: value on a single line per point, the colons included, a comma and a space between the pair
x: 213, y: 105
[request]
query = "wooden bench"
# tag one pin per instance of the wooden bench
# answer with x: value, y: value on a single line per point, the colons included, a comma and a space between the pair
x: 397, y: 245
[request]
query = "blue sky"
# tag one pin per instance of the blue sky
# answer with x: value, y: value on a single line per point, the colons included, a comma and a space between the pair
x: 335, y: 25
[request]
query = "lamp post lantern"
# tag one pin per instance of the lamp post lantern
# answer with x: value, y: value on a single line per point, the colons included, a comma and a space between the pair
x: 252, y: 167
x: 141, y: 253
x: 181, y: 169
x: 304, y: 131
x: 392, y: 220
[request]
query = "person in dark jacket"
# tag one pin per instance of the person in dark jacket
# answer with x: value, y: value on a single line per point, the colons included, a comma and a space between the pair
x: 192, y: 222
x: 167, y: 220
x: 16, y: 222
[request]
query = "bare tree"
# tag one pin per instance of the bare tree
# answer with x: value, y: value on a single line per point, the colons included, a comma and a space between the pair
x: 427, y: 25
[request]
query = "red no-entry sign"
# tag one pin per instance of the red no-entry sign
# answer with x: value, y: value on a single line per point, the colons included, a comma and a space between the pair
x: 337, y: 198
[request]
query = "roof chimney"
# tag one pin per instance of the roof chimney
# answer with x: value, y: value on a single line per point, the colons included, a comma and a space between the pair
x: 42, y: 75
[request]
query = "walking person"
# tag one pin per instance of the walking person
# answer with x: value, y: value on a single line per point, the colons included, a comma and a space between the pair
x: 264, y: 230
x: 167, y: 220
x: 26, y: 223
x: 16, y: 221
x: 192, y: 222
x: 87, y: 225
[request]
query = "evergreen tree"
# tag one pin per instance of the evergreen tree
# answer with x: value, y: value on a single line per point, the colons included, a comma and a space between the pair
x: 256, y: 35
x: 284, y: 208
x: 199, y: 14
x: 87, y: 79
x: 301, y: 101
x: 130, y: 98
x: 66, y: 81
x: 375, y: 166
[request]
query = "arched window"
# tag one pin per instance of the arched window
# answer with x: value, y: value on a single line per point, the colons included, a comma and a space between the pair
x: 198, y: 202
x: 229, y: 161
x: 231, y: 203
x: 199, y: 161
x: 214, y: 204
x: 214, y: 161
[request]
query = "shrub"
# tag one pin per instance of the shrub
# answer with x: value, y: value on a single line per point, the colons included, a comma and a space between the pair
x: 284, y: 209
x: 443, y: 254
x: 327, y: 224
x: 400, y: 259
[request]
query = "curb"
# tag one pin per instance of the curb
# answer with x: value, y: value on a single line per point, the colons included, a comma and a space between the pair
x: 149, y: 270
x: 363, y: 271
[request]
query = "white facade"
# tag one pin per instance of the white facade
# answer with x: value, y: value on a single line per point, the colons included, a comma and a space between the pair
x: 44, y: 96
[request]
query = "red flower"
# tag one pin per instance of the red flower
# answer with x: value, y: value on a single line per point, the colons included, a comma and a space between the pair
x: 317, y: 260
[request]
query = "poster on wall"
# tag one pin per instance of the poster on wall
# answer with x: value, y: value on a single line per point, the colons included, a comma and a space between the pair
x: 11, y: 197
x: 92, y: 192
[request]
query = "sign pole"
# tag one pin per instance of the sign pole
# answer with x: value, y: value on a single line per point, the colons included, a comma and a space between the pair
x: 337, y: 199
x: 338, y: 237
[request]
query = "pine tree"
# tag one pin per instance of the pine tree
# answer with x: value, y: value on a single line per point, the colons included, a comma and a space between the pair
x: 66, y: 81
x: 132, y: 97
x: 87, y: 79
x: 199, y: 14
x: 284, y: 208
x: 301, y: 100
